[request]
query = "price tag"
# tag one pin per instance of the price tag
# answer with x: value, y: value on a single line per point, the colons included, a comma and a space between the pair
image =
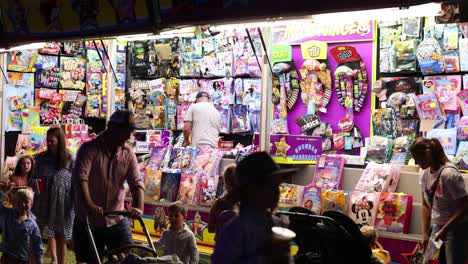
x: 281, y: 53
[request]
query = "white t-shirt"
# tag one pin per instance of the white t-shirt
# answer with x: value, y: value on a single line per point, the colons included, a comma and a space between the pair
x: 451, y: 187
x: 206, y: 124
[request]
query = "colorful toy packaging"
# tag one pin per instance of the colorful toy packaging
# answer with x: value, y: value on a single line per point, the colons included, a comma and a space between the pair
x: 379, y: 178
x: 429, y: 55
x: 400, y: 152
x: 72, y: 73
x: 208, y: 189
x: 379, y: 149
x: 290, y: 195
x: 157, y: 156
x: 188, y: 188
x: 334, y: 200
x: 312, y: 198
x: 170, y: 182
x: 152, y: 183
x: 363, y: 207
x: 30, y: 118
x: 447, y: 137
x: 22, y: 61
x: 461, y: 159
x: 328, y: 172
x: 428, y: 107
x: 207, y: 161
x: 394, y: 212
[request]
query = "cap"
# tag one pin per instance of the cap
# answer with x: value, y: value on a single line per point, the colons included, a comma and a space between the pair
x: 259, y: 168
x: 202, y: 94
x: 124, y: 118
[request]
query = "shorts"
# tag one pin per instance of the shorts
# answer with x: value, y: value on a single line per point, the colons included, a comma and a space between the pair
x: 108, y: 238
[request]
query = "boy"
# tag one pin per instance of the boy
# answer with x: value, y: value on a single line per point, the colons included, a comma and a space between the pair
x: 178, y: 239
x: 21, y: 235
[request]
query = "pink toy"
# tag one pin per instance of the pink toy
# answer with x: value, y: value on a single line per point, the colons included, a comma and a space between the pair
x: 379, y: 178
x: 363, y: 207
x: 188, y: 188
x: 328, y: 172
x: 394, y: 212
x: 208, y: 188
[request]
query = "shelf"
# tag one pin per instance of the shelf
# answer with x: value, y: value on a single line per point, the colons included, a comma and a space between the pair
x: 400, y: 236
x: 189, y: 207
x: 416, y: 74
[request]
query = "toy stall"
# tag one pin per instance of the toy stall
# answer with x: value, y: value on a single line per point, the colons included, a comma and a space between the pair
x: 339, y: 96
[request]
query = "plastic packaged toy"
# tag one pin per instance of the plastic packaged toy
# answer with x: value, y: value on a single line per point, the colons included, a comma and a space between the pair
x: 170, y: 182
x: 208, y: 189
x: 394, y: 212
x: 328, y: 172
x: 152, y: 183
x: 334, y: 200
x: 379, y: 149
x: 428, y: 107
x: 290, y: 195
x: 189, y: 188
x: 400, y: 152
x: 379, y: 178
x: 312, y: 198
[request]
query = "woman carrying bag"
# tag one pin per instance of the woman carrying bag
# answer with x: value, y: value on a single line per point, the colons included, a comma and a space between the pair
x: 445, y: 201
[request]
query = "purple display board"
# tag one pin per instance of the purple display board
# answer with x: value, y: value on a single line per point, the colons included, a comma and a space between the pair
x: 335, y: 112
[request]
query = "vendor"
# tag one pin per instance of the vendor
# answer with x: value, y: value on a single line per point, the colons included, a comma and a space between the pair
x: 202, y: 123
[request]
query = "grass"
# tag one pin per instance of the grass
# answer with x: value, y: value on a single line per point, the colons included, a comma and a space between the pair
x: 69, y: 259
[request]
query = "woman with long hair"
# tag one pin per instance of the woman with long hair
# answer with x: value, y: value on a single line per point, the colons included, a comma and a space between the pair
x: 445, y: 200
x: 21, y: 175
x: 53, y: 205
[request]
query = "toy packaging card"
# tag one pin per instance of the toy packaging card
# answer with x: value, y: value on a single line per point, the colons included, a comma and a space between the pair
x: 152, y: 183
x: 75, y: 48
x: 394, y: 212
x: 379, y: 178
x: 447, y: 137
x: 461, y: 159
x: 379, y: 149
x: 328, y: 172
x: 181, y: 112
x: 463, y: 129
x: 400, y: 152
x: 463, y: 98
x: 21, y: 61
x: 208, y: 189
x: 170, y: 182
x: 463, y: 49
x: 208, y: 161
x: 428, y: 107
x: 447, y: 95
x: 30, y: 118
x: 157, y: 155
x: 312, y: 198
x: 72, y: 73
x: 188, y: 156
x: 22, y: 144
x: 175, y: 159
x: 225, y: 117
x: 363, y: 207
x: 189, y: 188
x: 384, y: 122
x: 38, y: 143
x: 240, y: 119
x: 16, y: 99
x: 334, y: 200
x: 290, y: 195
x: 21, y: 79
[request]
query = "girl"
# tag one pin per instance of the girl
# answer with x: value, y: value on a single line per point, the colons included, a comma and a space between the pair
x: 445, y: 200
x: 21, y: 175
x: 226, y: 206
x: 53, y: 207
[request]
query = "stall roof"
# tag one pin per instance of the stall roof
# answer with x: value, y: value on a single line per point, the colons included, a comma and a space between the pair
x: 32, y: 21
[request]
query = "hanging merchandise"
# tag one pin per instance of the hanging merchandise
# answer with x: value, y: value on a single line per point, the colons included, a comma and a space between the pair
x: 363, y: 207
x: 447, y: 95
x: 411, y: 27
x: 16, y: 99
x: 379, y: 178
x: 252, y: 99
x: 401, y: 153
x: 139, y: 94
x: 72, y: 73
x: 461, y: 159
x: 379, y: 149
x: 245, y: 56
x: 463, y: 45
x: 240, y: 122
x: 312, y: 198
x: 384, y: 122
x: 191, y: 54
x: 328, y: 172
x: 429, y: 54
x: 447, y: 137
x: 75, y: 48
x: 159, y: 105
x: 394, y: 212
x: 280, y: 123
x: 335, y: 200
x: 325, y: 131
x: 144, y: 61
x: 428, y: 107
x: 405, y: 55
x: 188, y: 91
x: 20, y: 79
x: 21, y: 61
x: 38, y: 140
x: 171, y: 90
x: 157, y: 156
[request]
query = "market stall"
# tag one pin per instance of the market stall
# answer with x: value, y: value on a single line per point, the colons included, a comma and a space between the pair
x: 339, y: 96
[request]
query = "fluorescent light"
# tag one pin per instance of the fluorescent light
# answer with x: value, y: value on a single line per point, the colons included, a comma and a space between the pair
x: 424, y: 10
x: 188, y: 32
x: 32, y: 46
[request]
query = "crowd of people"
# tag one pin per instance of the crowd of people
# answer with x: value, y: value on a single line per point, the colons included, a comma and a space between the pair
x: 56, y: 195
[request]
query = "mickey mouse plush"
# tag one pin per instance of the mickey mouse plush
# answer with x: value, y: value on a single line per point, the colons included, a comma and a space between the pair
x: 362, y: 210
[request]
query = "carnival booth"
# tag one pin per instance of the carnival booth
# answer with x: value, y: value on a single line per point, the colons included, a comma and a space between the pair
x: 340, y: 96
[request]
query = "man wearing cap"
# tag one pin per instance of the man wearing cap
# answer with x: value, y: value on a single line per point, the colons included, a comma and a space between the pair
x: 202, y: 123
x: 248, y: 238
x: 103, y: 166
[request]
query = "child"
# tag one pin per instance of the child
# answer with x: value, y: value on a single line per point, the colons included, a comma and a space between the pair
x: 21, y: 239
x: 178, y: 239
x: 369, y: 234
x: 227, y: 202
x: 21, y: 175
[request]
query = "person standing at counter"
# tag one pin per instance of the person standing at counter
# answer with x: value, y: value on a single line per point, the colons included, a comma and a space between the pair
x: 202, y: 123
x: 445, y: 200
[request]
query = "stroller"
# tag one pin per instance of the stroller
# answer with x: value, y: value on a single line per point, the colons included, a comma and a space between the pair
x: 132, y: 258
x: 329, y: 239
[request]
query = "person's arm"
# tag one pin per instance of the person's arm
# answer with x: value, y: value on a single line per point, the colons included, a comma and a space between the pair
x: 188, y: 126
x: 81, y: 172
x: 214, y: 212
x: 463, y: 204
x: 425, y: 221
x: 193, y: 250
x: 161, y: 242
x: 36, y: 245
x: 137, y: 187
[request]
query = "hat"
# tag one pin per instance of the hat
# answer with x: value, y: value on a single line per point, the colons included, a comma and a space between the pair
x: 259, y: 168
x: 124, y: 118
x: 202, y: 94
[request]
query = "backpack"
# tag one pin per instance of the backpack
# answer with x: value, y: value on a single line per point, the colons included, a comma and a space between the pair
x: 429, y: 55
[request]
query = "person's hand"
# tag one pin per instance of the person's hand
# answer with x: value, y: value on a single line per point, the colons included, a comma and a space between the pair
x: 135, y: 212
x: 442, y: 234
x: 95, y: 210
